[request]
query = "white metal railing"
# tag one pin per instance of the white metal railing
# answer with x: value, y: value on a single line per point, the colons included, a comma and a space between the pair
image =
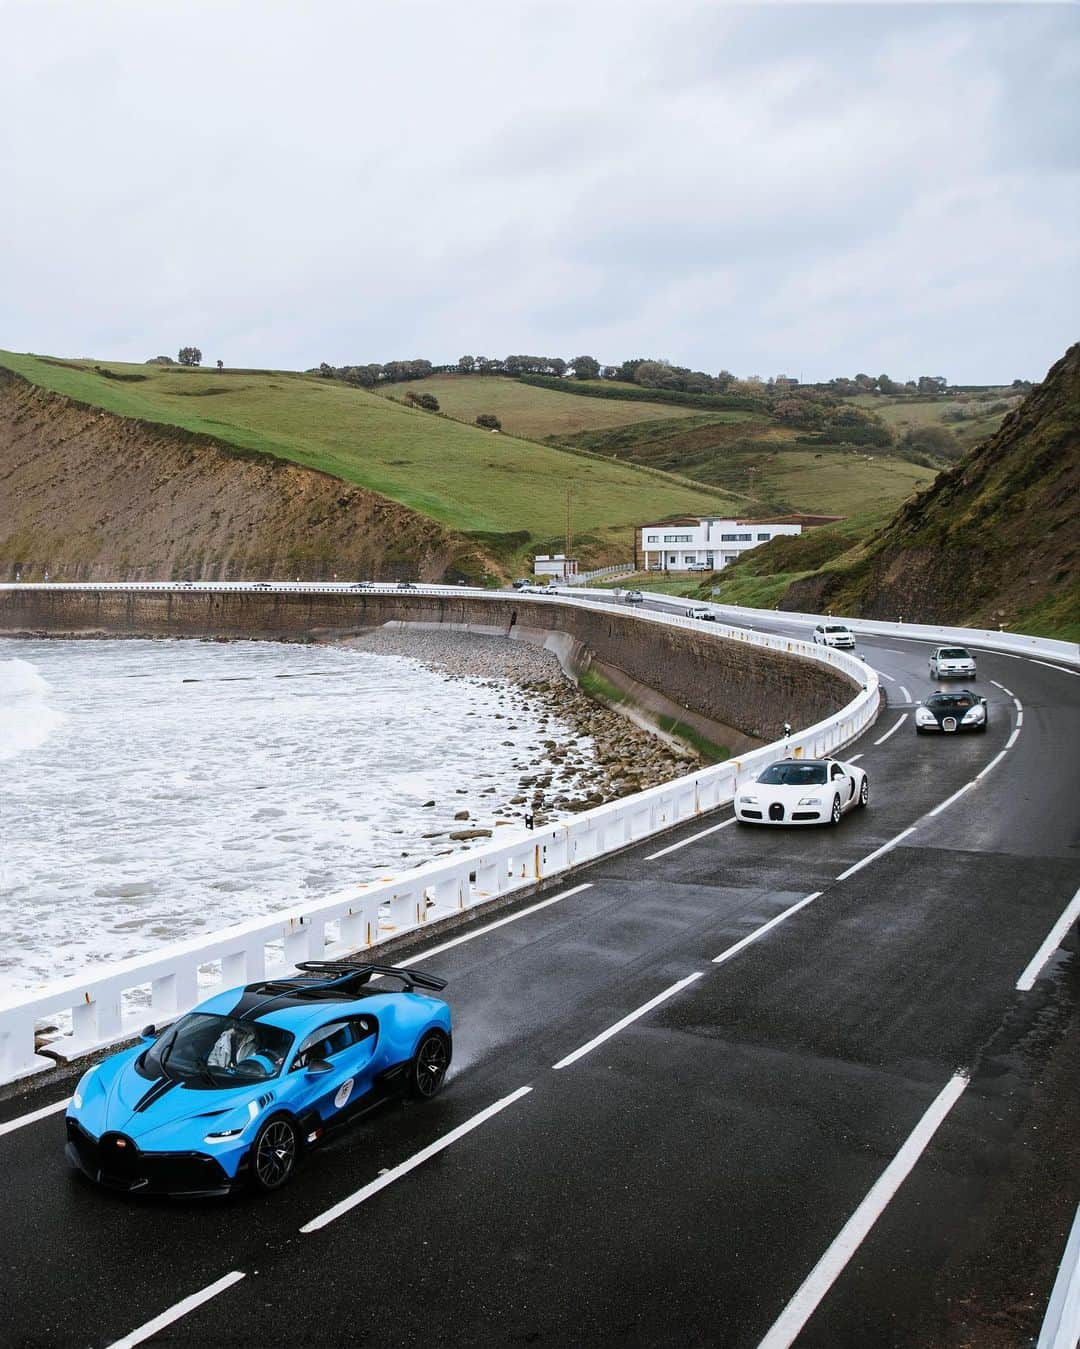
x: 107, y: 1005
x: 623, y: 569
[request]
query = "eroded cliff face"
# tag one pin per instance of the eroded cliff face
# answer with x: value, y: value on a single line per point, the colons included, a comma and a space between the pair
x: 92, y: 496
x: 993, y: 539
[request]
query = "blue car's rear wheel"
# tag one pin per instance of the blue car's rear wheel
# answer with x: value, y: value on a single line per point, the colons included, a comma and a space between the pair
x: 273, y: 1154
x: 428, y: 1068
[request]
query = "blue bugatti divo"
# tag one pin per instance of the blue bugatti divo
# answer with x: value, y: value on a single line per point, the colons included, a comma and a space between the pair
x: 234, y: 1091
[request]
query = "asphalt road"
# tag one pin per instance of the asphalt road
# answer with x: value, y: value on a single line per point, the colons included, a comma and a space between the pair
x: 679, y: 1181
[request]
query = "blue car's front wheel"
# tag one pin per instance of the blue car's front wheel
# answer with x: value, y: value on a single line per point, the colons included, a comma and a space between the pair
x: 274, y: 1153
x: 428, y: 1068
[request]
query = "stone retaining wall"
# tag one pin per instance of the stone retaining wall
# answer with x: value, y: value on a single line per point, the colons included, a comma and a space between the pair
x: 725, y: 681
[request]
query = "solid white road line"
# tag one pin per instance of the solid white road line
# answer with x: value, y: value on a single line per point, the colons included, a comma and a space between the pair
x: 1061, y: 669
x: 417, y: 1159
x: 885, y: 847
x: 626, y: 1021
x: 892, y: 729
x: 490, y: 927
x: 907, y: 696
x: 1012, y: 738
x: 175, y: 1313
x: 992, y: 764
x: 851, y: 1236
x: 55, y: 1108
x: 997, y: 685
x: 765, y: 927
x: 950, y: 799
x: 854, y: 758
x: 881, y: 674
x: 1061, y: 1324
x: 1050, y: 945
x: 674, y: 847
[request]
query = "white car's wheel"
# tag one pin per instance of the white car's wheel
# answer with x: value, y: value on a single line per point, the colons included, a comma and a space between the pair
x: 864, y: 793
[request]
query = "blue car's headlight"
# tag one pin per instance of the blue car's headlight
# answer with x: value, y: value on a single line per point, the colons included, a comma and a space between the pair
x: 236, y: 1125
x: 82, y: 1090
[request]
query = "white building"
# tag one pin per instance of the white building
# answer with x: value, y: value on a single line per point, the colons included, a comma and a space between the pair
x: 705, y: 544
x: 559, y: 565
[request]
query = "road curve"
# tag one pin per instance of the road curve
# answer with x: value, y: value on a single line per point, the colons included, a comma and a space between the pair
x: 851, y: 1130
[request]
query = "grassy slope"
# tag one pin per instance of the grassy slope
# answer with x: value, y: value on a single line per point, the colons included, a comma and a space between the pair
x: 742, y: 452
x: 527, y: 411
x: 995, y: 539
x: 513, y: 492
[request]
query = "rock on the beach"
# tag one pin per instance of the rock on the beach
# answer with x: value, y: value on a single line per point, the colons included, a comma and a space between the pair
x: 459, y: 835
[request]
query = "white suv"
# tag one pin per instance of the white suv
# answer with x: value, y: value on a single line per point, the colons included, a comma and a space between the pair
x: 834, y: 634
x: 949, y: 662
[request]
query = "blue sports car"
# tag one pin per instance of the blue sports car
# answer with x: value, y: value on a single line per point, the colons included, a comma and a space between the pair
x: 234, y: 1091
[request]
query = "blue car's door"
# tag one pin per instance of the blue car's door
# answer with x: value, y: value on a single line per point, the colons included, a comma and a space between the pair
x: 348, y: 1046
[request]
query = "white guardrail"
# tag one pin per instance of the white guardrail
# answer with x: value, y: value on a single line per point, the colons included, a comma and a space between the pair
x: 989, y: 639
x: 108, y: 1005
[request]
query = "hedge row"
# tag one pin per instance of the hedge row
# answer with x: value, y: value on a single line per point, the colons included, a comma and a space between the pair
x: 733, y: 402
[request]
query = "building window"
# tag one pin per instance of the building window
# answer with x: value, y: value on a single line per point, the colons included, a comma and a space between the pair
x: 736, y: 538
x: 654, y: 538
x: 764, y: 538
x: 678, y: 538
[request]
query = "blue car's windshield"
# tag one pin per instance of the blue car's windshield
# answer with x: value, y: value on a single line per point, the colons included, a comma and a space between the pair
x: 216, y: 1051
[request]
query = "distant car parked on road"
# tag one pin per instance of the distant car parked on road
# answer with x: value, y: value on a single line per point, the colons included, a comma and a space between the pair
x: 522, y: 583
x: 699, y: 566
x: 949, y: 662
x: 262, y: 585
x: 834, y: 634
x: 361, y: 585
x: 957, y: 710
x: 406, y: 585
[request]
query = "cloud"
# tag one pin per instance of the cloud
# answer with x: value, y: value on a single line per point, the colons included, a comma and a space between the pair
x: 810, y: 189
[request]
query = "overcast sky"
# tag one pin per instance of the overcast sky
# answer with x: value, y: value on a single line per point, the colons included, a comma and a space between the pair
x: 812, y: 190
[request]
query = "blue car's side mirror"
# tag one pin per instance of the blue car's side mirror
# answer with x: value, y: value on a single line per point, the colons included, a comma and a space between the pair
x: 318, y: 1066
x: 149, y: 1032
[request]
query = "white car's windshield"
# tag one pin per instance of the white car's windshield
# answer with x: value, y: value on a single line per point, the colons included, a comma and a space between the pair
x: 794, y: 775
x: 953, y: 653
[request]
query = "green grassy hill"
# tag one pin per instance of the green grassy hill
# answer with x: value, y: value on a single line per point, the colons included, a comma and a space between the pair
x: 994, y: 540
x: 508, y: 494
x: 751, y: 453
x: 536, y: 414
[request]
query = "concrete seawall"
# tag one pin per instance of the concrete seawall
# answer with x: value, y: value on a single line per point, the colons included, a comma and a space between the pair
x: 723, y: 684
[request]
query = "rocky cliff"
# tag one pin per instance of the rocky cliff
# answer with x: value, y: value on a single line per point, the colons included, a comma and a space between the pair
x: 92, y: 496
x: 994, y: 540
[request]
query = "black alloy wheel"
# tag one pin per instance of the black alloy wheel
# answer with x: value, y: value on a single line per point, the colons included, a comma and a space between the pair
x: 429, y: 1065
x: 864, y: 793
x: 273, y: 1154
x: 836, y: 811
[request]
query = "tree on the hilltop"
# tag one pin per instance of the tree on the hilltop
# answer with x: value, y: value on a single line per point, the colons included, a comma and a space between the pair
x: 161, y: 360
x: 887, y: 385
x: 427, y: 401
x: 489, y: 421
x: 558, y: 366
x: 190, y: 356
x: 585, y: 367
x: 220, y: 364
x: 466, y: 364
x: 326, y: 371
x: 932, y: 384
x: 724, y: 380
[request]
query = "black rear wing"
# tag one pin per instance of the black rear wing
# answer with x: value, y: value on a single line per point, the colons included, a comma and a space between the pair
x: 360, y: 971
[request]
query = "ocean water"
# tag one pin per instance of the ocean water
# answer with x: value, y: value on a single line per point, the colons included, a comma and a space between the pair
x: 150, y: 790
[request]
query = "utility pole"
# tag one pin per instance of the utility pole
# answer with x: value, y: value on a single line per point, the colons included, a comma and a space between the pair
x: 569, y: 534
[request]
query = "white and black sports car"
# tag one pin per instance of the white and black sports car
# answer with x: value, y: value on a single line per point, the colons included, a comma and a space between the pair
x: 803, y: 791
x: 957, y: 710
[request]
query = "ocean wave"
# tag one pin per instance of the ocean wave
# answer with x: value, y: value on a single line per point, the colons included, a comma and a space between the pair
x: 26, y: 719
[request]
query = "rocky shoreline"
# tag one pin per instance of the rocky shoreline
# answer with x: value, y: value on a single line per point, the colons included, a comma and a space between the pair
x: 588, y: 754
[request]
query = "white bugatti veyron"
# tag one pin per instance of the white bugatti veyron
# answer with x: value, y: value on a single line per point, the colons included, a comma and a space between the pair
x: 802, y: 791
